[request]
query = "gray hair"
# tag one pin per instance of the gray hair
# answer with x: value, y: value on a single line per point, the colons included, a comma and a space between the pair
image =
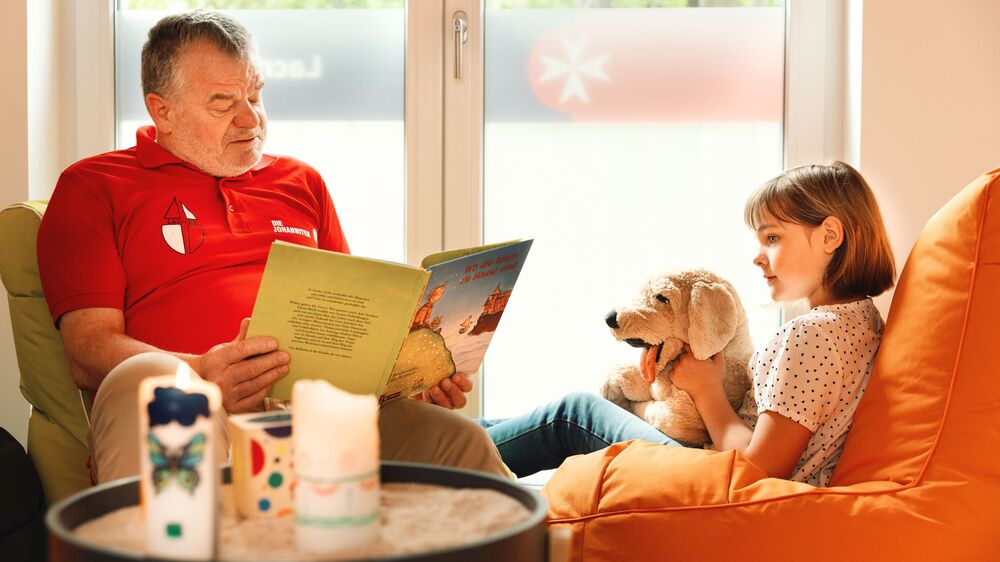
x: 172, y: 34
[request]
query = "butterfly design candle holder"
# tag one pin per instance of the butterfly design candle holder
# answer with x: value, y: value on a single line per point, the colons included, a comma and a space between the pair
x: 262, y: 460
x: 178, y: 472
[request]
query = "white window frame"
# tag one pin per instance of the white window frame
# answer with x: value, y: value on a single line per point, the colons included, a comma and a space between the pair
x: 94, y: 77
x: 816, y: 80
x: 423, y: 124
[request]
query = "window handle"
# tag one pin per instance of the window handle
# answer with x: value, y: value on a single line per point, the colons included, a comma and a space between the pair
x: 460, y: 34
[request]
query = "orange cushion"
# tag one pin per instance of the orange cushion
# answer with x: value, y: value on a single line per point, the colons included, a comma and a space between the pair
x: 911, y: 484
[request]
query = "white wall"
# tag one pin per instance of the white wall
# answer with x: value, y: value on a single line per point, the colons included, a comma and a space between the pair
x: 36, y: 58
x: 13, y: 187
x: 930, y: 105
x: 49, y: 140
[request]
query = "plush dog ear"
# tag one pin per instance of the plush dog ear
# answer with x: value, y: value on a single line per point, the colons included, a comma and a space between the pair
x: 711, y: 319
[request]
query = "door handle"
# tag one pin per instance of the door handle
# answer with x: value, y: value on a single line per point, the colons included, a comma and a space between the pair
x: 460, y: 34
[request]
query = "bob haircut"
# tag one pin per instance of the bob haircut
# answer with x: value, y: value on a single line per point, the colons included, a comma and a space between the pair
x: 863, y: 265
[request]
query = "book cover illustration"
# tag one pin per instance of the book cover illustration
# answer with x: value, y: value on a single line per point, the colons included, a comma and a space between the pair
x: 457, y: 314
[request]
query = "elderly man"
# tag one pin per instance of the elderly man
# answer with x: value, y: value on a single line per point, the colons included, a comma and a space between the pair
x: 152, y: 255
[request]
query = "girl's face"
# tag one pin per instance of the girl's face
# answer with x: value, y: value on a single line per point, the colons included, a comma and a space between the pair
x: 793, y: 260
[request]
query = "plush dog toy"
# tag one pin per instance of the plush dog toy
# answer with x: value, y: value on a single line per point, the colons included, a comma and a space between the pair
x: 691, y: 306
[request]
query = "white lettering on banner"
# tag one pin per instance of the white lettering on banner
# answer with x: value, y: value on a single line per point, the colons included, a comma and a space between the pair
x: 292, y: 69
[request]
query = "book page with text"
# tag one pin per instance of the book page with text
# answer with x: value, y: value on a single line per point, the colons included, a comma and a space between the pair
x: 341, y: 318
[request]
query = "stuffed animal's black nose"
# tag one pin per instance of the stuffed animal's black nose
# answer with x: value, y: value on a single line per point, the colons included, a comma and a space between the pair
x: 612, y: 319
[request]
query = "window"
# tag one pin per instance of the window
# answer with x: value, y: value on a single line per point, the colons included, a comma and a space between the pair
x: 625, y: 140
x: 622, y: 135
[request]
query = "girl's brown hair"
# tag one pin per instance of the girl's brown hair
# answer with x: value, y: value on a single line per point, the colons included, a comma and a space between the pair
x: 863, y: 265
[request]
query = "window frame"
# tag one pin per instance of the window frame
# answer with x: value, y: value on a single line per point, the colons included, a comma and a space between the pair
x: 815, y: 81
x: 94, y: 66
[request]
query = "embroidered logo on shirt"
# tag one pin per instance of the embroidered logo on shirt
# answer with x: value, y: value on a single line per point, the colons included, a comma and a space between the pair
x: 279, y: 226
x: 182, y: 232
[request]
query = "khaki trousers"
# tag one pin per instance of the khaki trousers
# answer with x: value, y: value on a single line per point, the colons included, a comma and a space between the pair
x: 410, y: 431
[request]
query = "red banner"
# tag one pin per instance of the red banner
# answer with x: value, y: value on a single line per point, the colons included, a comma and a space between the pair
x: 712, y: 64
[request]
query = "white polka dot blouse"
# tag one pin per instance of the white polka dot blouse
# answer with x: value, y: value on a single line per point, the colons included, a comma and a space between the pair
x: 814, y: 372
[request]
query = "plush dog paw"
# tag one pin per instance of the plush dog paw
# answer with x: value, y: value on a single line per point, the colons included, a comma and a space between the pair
x: 663, y: 389
x: 611, y: 391
x: 633, y: 386
x: 679, y: 421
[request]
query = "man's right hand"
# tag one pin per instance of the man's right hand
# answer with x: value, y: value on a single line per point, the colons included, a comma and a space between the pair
x: 244, y: 369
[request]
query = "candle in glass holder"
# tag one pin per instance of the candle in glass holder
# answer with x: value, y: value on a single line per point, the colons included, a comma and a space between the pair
x: 335, y: 451
x: 262, y: 460
x: 178, y: 471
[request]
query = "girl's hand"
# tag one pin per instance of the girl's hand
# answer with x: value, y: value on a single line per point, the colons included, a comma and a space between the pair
x: 698, y: 378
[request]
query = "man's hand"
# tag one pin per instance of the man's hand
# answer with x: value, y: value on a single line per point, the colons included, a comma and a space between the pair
x: 449, y: 393
x: 698, y: 378
x: 244, y: 369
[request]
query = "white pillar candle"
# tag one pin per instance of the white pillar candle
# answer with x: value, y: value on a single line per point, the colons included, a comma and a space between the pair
x: 178, y: 472
x: 335, y: 451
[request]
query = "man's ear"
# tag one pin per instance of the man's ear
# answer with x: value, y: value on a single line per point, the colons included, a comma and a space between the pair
x: 161, y: 111
x: 833, y: 234
x: 711, y: 319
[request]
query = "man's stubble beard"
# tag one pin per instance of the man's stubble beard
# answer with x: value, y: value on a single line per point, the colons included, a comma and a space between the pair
x: 212, y: 162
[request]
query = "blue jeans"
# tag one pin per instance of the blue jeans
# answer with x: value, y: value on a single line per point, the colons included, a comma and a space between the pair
x: 575, y: 424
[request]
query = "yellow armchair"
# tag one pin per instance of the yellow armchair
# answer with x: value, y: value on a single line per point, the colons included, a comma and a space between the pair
x: 57, y: 429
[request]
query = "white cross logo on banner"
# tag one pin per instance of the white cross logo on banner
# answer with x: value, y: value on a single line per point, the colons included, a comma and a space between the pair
x: 574, y: 68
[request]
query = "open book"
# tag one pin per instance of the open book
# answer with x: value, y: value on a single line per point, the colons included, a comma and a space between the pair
x: 382, y: 328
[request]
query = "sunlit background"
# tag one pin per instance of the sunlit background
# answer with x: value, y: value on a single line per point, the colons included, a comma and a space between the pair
x: 623, y: 136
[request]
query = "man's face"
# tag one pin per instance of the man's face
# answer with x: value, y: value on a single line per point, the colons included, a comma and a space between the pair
x: 215, y: 117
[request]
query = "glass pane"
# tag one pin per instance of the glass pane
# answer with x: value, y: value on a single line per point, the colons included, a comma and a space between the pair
x: 625, y: 141
x: 334, y: 99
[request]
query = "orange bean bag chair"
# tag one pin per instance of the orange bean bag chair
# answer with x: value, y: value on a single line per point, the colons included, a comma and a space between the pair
x: 919, y: 478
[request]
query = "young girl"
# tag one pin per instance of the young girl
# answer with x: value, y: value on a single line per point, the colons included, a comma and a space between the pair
x: 822, y: 239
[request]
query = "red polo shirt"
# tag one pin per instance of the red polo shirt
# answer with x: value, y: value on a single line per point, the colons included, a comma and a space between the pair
x: 180, y: 252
